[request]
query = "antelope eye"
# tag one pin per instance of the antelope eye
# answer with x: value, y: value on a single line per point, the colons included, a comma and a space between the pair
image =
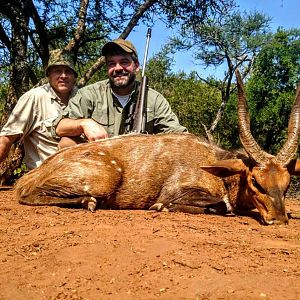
x: 258, y: 186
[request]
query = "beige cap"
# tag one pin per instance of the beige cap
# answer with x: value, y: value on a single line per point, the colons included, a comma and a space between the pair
x: 60, y: 57
x: 125, y: 45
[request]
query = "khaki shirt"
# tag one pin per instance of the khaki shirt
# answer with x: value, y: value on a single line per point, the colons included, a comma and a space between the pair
x: 32, y: 117
x: 96, y: 101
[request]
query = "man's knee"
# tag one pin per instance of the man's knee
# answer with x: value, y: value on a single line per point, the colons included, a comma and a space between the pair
x: 67, y: 142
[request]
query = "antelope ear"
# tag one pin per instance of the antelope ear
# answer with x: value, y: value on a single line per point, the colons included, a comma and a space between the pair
x: 294, y: 167
x: 225, y: 168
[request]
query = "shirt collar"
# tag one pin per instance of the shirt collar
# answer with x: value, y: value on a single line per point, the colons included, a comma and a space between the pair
x: 135, y: 90
x: 54, y: 96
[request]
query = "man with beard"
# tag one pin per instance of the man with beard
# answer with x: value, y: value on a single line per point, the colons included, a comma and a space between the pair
x: 101, y: 110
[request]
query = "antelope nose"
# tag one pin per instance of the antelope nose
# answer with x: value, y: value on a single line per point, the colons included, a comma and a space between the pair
x: 281, y: 220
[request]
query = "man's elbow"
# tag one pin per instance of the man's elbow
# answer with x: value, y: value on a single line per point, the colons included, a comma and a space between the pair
x: 5, y: 145
x: 60, y: 129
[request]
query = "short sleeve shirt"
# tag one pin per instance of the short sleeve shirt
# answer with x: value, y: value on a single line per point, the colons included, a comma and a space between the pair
x: 96, y: 101
x: 32, y: 118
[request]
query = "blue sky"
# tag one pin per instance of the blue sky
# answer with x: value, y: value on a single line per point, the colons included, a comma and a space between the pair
x: 284, y: 13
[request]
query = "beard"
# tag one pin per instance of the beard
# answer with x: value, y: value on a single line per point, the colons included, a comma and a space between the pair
x: 120, y: 83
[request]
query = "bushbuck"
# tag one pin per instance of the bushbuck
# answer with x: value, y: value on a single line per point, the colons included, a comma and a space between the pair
x: 170, y: 172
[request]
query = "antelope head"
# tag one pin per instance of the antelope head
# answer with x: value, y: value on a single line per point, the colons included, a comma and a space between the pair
x: 266, y: 177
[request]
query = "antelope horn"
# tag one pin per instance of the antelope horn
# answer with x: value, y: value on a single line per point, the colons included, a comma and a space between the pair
x: 289, y: 149
x: 246, y: 138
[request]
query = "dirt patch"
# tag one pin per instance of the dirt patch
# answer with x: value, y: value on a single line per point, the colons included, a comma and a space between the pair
x: 62, y: 253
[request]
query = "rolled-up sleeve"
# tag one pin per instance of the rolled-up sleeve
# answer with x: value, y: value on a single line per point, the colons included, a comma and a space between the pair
x: 80, y: 106
x: 22, y: 117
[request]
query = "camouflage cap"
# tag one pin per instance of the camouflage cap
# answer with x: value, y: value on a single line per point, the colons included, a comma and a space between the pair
x: 59, y: 57
x: 126, y: 46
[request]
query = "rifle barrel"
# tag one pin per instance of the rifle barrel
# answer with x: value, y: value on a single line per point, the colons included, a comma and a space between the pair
x: 139, y: 116
x: 146, y: 51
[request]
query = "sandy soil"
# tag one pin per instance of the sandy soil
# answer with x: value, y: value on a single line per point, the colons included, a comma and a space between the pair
x: 63, y: 253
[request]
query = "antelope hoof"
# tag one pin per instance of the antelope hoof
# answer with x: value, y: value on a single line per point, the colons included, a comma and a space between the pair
x: 158, y: 207
x: 90, y: 203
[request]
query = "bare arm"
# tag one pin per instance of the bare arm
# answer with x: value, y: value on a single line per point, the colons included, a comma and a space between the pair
x: 5, y: 144
x: 67, y: 141
x: 90, y: 128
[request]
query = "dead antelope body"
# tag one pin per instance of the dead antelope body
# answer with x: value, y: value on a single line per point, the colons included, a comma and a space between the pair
x: 169, y: 172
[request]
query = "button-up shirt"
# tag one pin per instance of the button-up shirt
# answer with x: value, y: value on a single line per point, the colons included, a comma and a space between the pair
x: 32, y: 118
x: 97, y: 101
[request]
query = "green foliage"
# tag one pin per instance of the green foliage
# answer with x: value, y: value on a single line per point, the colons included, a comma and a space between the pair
x: 233, y: 39
x: 19, y: 172
x: 270, y: 94
x: 3, y: 96
x: 227, y: 132
x: 271, y: 88
x: 194, y: 102
x: 42, y: 25
x: 278, y: 63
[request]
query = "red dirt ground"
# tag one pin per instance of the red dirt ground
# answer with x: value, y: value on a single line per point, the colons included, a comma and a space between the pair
x: 63, y: 253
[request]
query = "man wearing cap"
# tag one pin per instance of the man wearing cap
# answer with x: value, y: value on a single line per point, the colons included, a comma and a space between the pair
x: 101, y: 110
x: 31, y: 119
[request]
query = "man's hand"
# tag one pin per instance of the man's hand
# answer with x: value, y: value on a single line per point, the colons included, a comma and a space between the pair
x: 92, y: 130
x: 76, y: 127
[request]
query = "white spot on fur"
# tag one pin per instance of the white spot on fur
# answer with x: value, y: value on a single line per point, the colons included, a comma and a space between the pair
x: 59, y: 160
x: 86, y: 188
x: 119, y: 169
x: 101, y: 153
x: 113, y: 162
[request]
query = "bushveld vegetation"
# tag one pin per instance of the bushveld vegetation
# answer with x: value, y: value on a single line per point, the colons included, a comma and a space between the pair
x: 214, y: 30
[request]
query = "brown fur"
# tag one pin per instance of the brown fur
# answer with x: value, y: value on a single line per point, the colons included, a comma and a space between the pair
x: 129, y: 172
x: 167, y: 172
x: 170, y: 172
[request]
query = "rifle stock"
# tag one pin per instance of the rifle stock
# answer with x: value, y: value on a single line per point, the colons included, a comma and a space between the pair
x: 139, y: 117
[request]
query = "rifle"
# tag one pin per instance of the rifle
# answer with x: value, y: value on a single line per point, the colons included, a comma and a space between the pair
x: 139, y: 116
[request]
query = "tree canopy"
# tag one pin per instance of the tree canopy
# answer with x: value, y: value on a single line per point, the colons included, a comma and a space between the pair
x: 216, y: 32
x: 271, y: 88
x: 233, y: 40
x: 29, y: 29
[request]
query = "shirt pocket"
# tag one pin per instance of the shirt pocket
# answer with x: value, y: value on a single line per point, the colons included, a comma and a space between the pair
x: 47, y: 126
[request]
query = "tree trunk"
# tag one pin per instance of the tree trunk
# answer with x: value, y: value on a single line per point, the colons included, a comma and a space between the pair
x: 19, y: 83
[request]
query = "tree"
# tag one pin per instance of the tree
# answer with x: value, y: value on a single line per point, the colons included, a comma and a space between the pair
x: 233, y: 40
x: 30, y: 29
x: 270, y: 93
x: 193, y: 101
x: 271, y: 88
